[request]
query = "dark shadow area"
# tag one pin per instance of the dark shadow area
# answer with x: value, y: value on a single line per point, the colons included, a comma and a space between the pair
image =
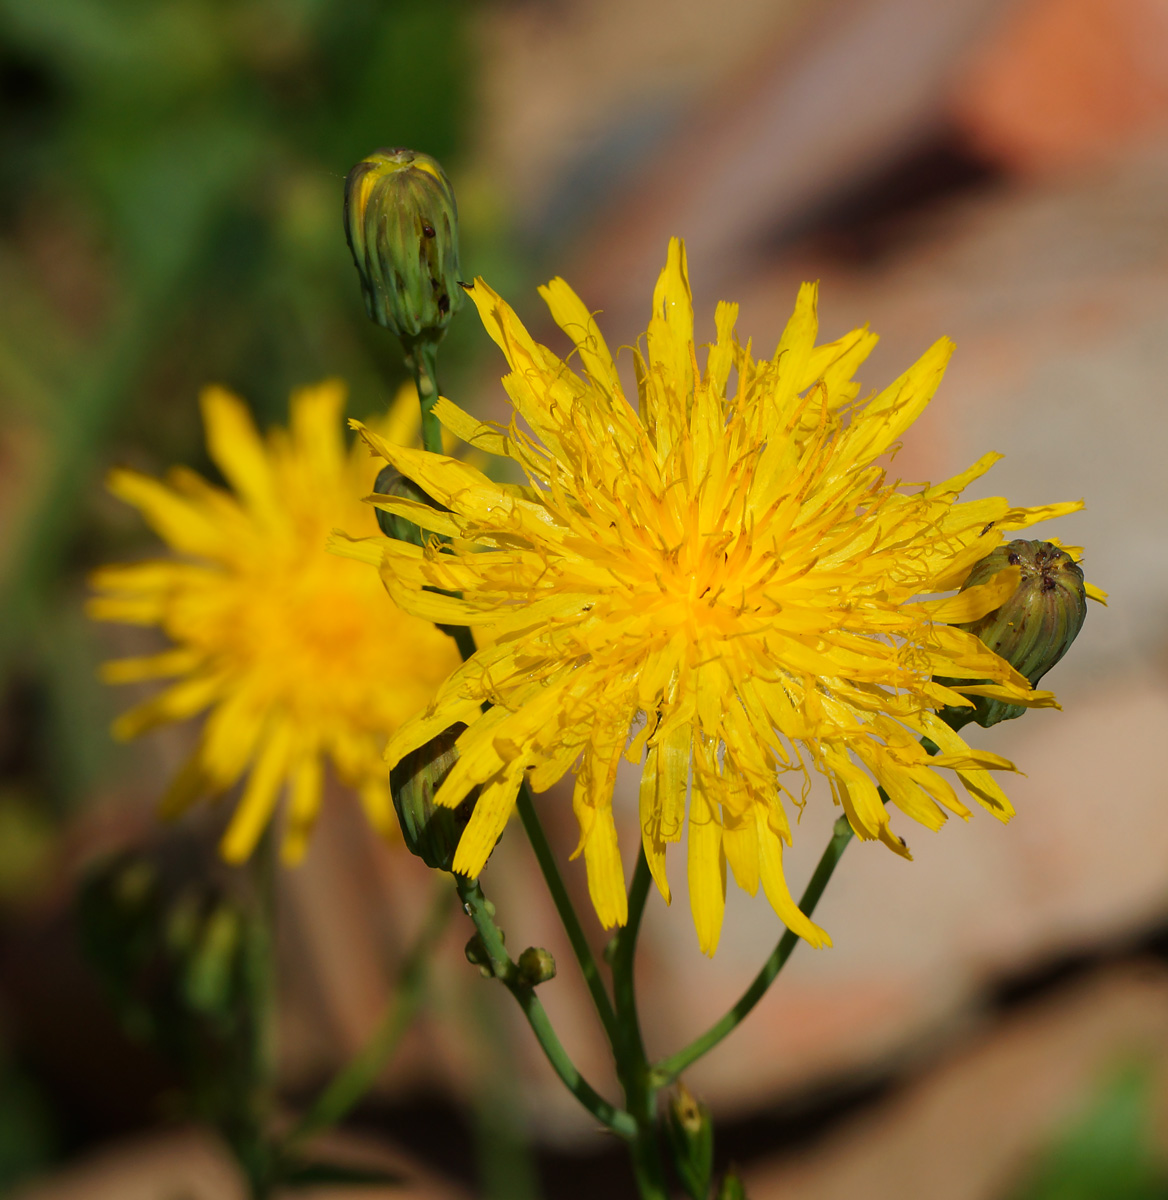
x: 875, y: 217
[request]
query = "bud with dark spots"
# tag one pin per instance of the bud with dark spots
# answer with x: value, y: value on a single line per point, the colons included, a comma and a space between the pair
x: 536, y: 966
x: 1036, y: 625
x: 401, y: 222
x: 691, y: 1139
x: 429, y: 831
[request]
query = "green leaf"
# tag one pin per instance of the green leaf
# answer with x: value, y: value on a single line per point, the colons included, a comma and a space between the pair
x: 1108, y: 1153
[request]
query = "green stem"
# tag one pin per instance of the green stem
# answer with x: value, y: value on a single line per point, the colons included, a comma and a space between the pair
x: 568, y: 916
x: 632, y: 1066
x: 422, y: 360
x: 632, y: 1047
x: 503, y: 969
x: 670, y: 1068
x: 355, y: 1079
x: 249, y: 1137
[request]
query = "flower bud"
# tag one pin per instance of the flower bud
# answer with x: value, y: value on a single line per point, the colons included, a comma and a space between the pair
x: 402, y: 226
x: 390, y: 483
x: 477, y: 956
x: 691, y: 1138
x: 731, y: 1187
x: 429, y: 831
x: 536, y: 966
x: 1036, y: 625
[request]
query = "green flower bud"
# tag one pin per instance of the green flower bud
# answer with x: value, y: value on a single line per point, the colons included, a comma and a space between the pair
x: 536, y: 966
x: 691, y: 1139
x: 1035, y: 627
x: 731, y: 1187
x: 390, y: 483
x: 211, y: 979
x: 429, y: 831
x: 402, y: 226
x: 477, y: 956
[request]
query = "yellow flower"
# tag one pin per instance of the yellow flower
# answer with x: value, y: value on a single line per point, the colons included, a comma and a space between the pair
x: 721, y: 582
x: 295, y: 653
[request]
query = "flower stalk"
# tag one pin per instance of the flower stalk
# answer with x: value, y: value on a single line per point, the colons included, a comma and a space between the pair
x: 501, y: 966
x: 754, y: 534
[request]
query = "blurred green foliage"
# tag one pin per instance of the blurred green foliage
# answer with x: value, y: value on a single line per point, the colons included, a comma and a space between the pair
x: 171, y: 180
x: 28, y: 1140
x: 171, y: 184
x: 1109, y: 1152
x: 186, y: 960
x: 173, y: 956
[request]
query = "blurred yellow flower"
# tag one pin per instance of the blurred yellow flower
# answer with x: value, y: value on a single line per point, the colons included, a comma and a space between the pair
x: 721, y: 582
x: 298, y: 655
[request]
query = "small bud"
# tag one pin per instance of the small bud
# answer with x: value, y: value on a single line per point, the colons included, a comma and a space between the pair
x: 731, y: 1187
x: 477, y: 956
x: 402, y: 226
x: 536, y: 966
x: 430, y: 832
x: 390, y: 483
x: 691, y: 1138
x: 1035, y: 627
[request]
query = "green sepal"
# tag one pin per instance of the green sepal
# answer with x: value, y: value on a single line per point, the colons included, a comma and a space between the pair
x: 430, y: 831
x: 1032, y: 630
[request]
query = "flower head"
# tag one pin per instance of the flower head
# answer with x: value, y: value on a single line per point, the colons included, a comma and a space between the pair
x: 721, y: 582
x: 401, y: 222
x: 294, y: 653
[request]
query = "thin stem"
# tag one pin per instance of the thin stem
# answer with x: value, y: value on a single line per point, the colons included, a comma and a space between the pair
x: 568, y: 916
x: 352, y: 1082
x: 670, y: 1068
x: 247, y: 1132
x: 503, y: 969
x: 632, y: 1065
x: 422, y: 360
x: 623, y: 961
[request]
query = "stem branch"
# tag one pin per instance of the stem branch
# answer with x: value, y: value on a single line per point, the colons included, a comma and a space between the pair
x: 505, y: 970
x: 568, y: 915
x: 670, y: 1068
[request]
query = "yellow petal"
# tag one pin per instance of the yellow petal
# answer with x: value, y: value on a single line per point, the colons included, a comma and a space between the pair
x: 239, y: 452
x: 303, y: 805
x: 258, y: 802
x: 706, y: 868
x: 770, y: 859
x: 572, y: 316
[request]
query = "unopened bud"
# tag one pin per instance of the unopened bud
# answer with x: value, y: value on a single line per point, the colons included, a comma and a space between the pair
x: 536, y: 966
x: 477, y: 956
x: 731, y: 1187
x: 402, y: 225
x: 1036, y: 625
x: 691, y: 1138
x: 390, y: 482
x: 429, y: 831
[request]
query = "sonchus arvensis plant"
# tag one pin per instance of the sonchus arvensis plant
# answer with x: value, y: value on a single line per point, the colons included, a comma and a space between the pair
x: 716, y: 578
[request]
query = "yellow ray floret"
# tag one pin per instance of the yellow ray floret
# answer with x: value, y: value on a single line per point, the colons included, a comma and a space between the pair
x: 294, y: 656
x: 717, y: 580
